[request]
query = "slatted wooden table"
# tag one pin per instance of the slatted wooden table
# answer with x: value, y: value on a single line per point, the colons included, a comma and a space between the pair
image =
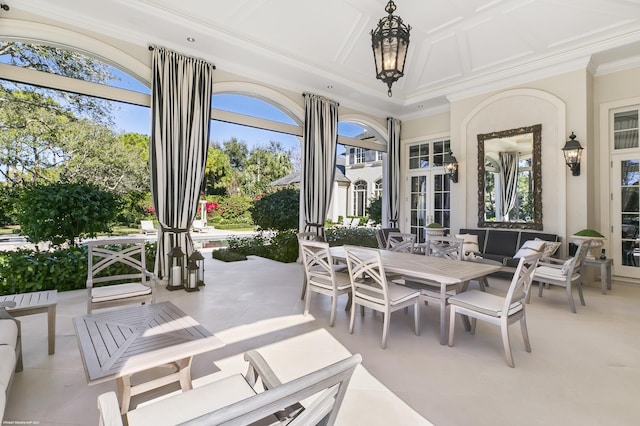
x: 119, y: 343
x: 36, y: 303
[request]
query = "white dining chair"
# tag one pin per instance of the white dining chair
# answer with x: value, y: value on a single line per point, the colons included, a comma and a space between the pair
x: 499, y: 310
x: 401, y: 242
x: 370, y: 288
x: 321, y: 275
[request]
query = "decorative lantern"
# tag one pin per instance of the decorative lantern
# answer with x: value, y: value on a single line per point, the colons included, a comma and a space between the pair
x: 176, y: 256
x: 572, y: 150
x: 451, y: 166
x: 198, y: 258
x: 192, y: 276
x: 390, y: 42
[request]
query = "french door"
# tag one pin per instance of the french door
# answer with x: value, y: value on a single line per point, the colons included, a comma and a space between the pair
x: 625, y: 190
x: 428, y: 188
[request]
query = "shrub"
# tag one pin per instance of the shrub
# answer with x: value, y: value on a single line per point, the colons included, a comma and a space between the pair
x: 375, y: 210
x: 62, y: 212
x: 282, y: 246
x: 24, y: 271
x: 278, y: 211
x: 227, y: 255
x: 364, y: 237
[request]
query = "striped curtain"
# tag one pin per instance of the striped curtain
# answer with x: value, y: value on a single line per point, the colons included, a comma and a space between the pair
x: 318, y: 159
x: 509, y: 184
x: 392, y: 191
x: 181, y: 110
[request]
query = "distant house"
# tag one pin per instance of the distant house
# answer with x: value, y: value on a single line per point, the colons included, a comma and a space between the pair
x: 363, y: 167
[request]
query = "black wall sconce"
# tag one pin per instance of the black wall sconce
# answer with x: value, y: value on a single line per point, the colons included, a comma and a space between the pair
x: 572, y: 151
x: 451, y: 166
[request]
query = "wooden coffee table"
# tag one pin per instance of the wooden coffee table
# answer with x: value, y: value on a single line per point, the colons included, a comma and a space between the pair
x: 36, y: 303
x: 119, y: 343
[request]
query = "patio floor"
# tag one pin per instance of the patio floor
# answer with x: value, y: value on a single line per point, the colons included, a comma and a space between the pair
x: 584, y: 368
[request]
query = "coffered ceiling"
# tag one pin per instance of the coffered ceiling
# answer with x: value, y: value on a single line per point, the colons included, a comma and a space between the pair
x: 458, y: 47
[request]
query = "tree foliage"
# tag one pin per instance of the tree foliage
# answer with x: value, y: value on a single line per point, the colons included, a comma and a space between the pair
x: 263, y: 166
x: 277, y: 211
x: 374, y: 211
x: 62, y: 212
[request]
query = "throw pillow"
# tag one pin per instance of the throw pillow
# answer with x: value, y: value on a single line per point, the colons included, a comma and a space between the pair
x: 470, y: 243
x: 565, y: 266
x: 530, y: 247
x: 550, y: 247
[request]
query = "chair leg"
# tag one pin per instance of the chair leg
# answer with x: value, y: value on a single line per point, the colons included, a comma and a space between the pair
x: 334, y: 308
x: 385, y: 329
x: 570, y: 295
x: 416, y: 316
x: 473, y: 326
x: 304, y: 287
x: 505, y: 341
x: 353, y: 317
x: 452, y: 324
x: 483, y: 283
x: 579, y: 285
x: 525, y: 333
x: 307, y: 300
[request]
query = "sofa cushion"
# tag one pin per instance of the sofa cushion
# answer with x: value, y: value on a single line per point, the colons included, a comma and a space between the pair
x: 501, y: 242
x: 470, y: 243
x: 550, y: 247
x: 8, y: 333
x: 7, y: 364
x: 530, y: 247
x: 481, y: 233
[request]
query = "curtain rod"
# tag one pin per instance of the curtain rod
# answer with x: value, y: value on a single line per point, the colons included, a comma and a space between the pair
x: 152, y: 48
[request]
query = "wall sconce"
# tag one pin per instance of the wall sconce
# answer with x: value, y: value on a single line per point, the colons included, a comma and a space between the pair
x: 572, y: 151
x: 451, y: 166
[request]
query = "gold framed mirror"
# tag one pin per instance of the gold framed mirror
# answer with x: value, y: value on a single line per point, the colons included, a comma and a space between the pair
x: 510, y: 178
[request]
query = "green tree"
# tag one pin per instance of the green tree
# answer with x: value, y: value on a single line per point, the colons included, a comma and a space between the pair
x: 62, y: 212
x: 218, y: 173
x: 237, y: 152
x: 374, y: 211
x: 263, y: 166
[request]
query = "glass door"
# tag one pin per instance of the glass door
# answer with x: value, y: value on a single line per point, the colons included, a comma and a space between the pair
x: 428, y: 195
x: 626, y: 214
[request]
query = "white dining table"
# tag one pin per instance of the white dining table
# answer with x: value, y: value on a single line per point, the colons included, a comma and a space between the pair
x: 438, y: 269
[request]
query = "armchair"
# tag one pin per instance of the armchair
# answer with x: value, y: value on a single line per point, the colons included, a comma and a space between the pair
x: 564, y: 273
x: 235, y: 399
x: 117, y: 273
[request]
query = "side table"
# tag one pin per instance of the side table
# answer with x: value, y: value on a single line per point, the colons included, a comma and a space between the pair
x: 605, y: 272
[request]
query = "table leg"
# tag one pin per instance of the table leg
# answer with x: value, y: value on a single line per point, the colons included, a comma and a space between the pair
x: 443, y: 316
x: 51, y: 325
x: 609, y: 276
x: 184, y: 373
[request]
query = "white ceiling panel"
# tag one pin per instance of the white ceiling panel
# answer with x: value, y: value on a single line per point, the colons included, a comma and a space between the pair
x: 307, y: 45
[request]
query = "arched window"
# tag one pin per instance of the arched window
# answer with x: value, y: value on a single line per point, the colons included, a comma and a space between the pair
x: 377, y: 189
x: 359, y: 198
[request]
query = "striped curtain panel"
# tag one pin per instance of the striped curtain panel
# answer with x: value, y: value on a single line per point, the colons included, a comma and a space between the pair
x: 392, y: 193
x: 509, y: 184
x: 181, y: 110
x: 318, y: 159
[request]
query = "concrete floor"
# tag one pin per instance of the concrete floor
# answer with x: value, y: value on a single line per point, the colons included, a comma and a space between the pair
x: 584, y: 368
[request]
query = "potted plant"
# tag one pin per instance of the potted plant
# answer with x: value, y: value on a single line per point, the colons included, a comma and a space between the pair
x: 435, y: 229
x: 597, y: 240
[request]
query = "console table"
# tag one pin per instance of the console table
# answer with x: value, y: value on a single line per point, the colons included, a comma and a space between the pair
x: 605, y: 272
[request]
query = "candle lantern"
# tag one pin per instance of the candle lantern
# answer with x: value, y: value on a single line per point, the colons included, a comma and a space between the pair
x: 176, y: 256
x: 192, y: 276
x: 198, y: 258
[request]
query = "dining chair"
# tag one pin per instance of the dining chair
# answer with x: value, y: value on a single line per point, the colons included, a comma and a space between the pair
x: 401, y: 242
x: 321, y: 275
x: 117, y: 273
x: 499, y: 310
x: 564, y: 273
x: 307, y: 236
x: 371, y: 289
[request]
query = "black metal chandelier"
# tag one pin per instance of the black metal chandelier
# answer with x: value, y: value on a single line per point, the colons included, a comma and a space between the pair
x: 390, y: 41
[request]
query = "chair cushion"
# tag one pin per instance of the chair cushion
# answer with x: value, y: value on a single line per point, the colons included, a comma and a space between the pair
x: 119, y: 291
x: 191, y: 404
x: 486, y: 303
x: 530, y: 247
x: 399, y: 294
x: 549, y: 272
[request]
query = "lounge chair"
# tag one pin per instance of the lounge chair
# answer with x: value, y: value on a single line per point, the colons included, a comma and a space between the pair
x: 147, y: 227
